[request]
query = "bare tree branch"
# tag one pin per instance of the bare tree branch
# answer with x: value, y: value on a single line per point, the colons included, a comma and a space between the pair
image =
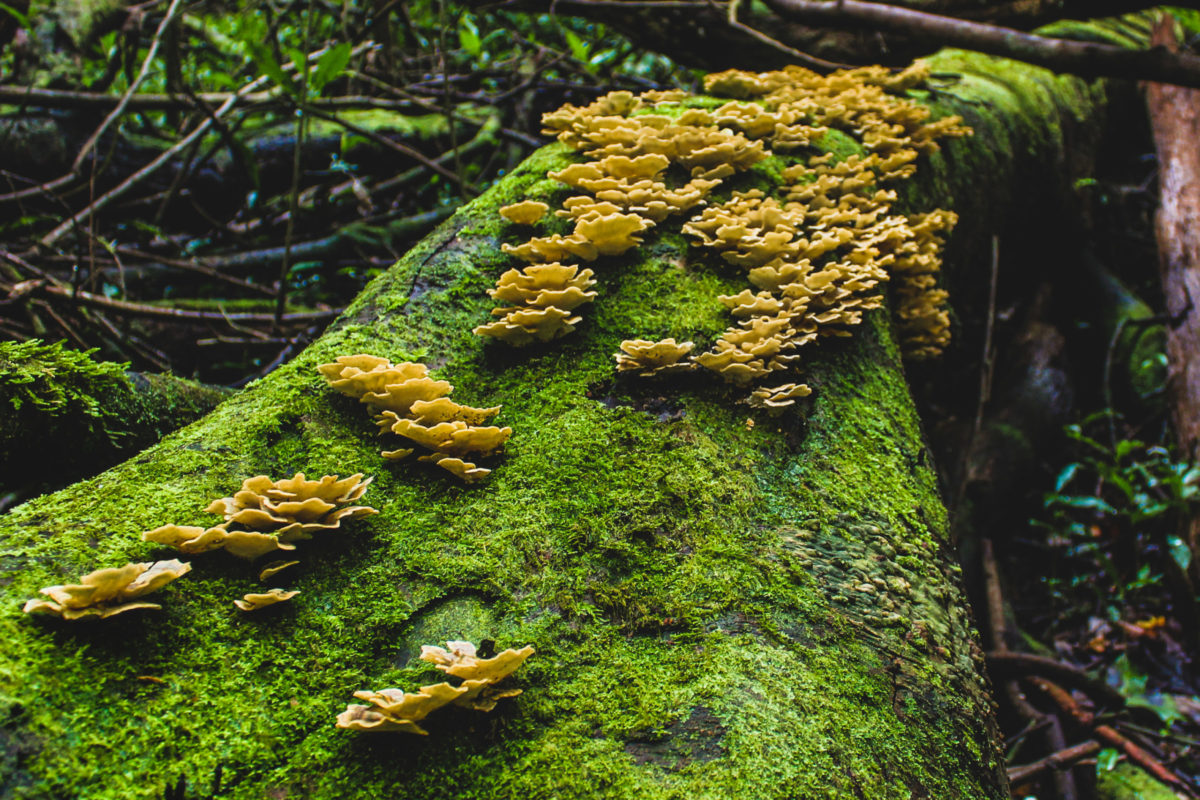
x: 1079, y: 58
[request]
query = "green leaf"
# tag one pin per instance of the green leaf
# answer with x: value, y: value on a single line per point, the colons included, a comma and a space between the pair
x: 1107, y: 759
x: 1064, y: 477
x: 468, y: 36
x: 299, y: 60
x: 330, y: 66
x: 1081, y: 501
x: 1180, y: 552
x: 21, y: 19
x: 268, y: 65
x: 580, y: 49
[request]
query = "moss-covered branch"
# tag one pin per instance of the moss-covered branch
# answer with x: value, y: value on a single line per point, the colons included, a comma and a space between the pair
x: 63, y: 415
x: 723, y: 603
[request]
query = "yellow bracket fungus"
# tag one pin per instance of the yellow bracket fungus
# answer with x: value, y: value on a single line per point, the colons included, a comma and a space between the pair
x: 525, y: 213
x: 361, y: 374
x: 543, y: 296
x: 253, y: 602
x: 192, y: 540
x: 294, y: 508
x: 274, y: 568
x: 779, y: 396
x: 817, y: 254
x: 108, y: 592
x: 399, y: 711
x: 416, y: 406
x: 459, y: 660
x: 654, y: 358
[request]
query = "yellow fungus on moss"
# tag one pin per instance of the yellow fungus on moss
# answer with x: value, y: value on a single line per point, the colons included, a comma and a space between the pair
x: 398, y: 711
x: 459, y: 659
x: 274, y: 568
x: 654, y: 358
x: 817, y: 254
x: 254, y: 602
x: 294, y: 508
x: 108, y: 592
x: 779, y: 396
x: 194, y: 539
x: 417, y: 406
x: 524, y: 213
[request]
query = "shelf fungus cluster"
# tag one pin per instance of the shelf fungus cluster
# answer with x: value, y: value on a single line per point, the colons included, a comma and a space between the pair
x: 275, y: 515
x: 407, y: 401
x: 399, y: 711
x: 815, y: 251
x: 648, y: 358
x: 108, y: 592
x: 645, y: 167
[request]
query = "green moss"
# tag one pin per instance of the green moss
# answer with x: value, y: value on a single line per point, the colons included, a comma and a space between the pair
x: 723, y: 602
x: 1128, y: 782
x: 63, y: 415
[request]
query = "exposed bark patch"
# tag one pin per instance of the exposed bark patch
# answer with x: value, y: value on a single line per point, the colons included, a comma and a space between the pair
x: 658, y: 399
x: 699, y: 738
x: 17, y: 747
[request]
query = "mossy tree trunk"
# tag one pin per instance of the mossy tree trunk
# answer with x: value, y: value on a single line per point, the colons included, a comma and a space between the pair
x: 723, y: 603
x: 64, y: 416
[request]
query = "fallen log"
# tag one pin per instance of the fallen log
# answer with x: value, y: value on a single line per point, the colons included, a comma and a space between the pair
x: 723, y: 602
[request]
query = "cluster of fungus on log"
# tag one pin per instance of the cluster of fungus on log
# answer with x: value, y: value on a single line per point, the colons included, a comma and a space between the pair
x: 399, y: 711
x: 815, y: 254
x: 407, y: 401
x: 277, y: 514
x: 625, y: 191
x: 648, y: 358
x: 108, y: 592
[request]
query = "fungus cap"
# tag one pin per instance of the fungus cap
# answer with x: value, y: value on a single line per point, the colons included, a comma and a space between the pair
x: 652, y: 358
x: 254, y: 602
x: 779, y: 396
x: 194, y: 539
x: 459, y: 660
x: 524, y: 213
x: 274, y: 568
x: 108, y: 592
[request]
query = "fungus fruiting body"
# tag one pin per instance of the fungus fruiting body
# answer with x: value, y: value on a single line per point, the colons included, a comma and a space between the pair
x: 396, y: 710
x: 816, y: 254
x: 108, y: 592
x: 253, y: 602
x: 193, y: 539
x: 274, y: 568
x: 294, y: 508
x: 279, y: 513
x: 417, y: 407
x: 525, y: 213
x: 654, y: 358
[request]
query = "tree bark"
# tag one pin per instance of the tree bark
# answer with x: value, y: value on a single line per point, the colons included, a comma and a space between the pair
x: 1175, y: 120
x: 723, y: 603
x: 64, y: 416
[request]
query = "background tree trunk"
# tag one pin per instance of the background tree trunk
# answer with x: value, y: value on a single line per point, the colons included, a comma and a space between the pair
x: 64, y: 416
x: 1175, y: 119
x: 723, y: 603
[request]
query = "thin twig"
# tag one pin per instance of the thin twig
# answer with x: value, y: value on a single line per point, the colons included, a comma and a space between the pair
x: 1007, y: 664
x: 1087, y: 59
x: 115, y: 114
x: 810, y: 61
x: 184, y: 315
x: 1054, y: 761
x: 1087, y: 719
